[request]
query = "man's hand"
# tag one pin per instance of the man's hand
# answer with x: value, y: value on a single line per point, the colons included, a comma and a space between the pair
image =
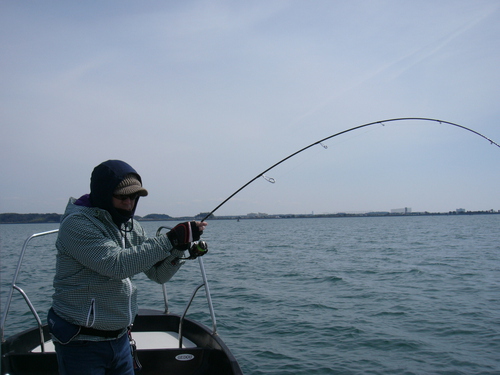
x: 183, y: 234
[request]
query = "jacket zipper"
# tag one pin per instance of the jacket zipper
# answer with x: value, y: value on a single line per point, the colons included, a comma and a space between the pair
x: 130, y: 289
x: 129, y: 283
x: 91, y: 313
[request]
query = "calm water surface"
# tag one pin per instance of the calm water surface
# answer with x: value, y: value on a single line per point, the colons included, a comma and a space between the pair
x: 389, y: 295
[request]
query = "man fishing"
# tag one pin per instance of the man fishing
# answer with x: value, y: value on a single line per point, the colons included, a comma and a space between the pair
x: 99, y: 248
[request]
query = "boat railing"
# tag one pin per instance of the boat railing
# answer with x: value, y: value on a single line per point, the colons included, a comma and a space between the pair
x: 14, y: 287
x: 25, y: 296
x: 207, y: 295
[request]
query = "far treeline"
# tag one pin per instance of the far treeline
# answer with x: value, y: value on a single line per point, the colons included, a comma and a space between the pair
x: 13, y: 218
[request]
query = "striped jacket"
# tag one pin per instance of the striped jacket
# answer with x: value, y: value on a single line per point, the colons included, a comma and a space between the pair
x: 95, y: 262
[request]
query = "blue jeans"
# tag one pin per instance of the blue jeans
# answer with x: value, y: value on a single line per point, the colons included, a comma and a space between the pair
x: 95, y: 357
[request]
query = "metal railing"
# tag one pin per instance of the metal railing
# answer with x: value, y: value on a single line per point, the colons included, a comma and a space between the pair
x: 25, y: 296
x: 37, y: 317
x: 207, y: 295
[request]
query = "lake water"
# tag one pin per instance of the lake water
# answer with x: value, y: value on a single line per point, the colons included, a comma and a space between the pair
x: 364, y: 295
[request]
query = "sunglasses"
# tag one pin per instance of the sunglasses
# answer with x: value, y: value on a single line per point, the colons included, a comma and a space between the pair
x: 132, y: 197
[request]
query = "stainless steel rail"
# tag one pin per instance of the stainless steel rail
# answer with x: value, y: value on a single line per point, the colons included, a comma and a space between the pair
x: 207, y: 295
x: 15, y: 287
x: 40, y: 324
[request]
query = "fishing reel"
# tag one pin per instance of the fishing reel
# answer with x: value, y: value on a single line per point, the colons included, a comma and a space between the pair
x: 197, y: 249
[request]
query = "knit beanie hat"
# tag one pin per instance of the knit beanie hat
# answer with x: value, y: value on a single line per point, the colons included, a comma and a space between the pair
x: 130, y: 185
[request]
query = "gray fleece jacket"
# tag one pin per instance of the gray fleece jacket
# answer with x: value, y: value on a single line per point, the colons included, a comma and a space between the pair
x: 95, y: 262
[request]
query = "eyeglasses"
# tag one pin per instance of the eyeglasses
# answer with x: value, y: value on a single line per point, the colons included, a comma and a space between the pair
x: 132, y: 197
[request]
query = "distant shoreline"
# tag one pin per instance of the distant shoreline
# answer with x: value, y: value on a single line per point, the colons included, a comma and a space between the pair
x: 15, y: 218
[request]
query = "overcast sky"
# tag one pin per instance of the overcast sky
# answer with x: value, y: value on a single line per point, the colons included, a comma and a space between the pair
x: 202, y: 96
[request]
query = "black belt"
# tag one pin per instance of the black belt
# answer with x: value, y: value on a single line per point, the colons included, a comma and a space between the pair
x: 100, y: 333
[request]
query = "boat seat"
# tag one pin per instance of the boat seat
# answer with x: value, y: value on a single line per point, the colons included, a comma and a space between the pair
x: 144, y: 340
x: 160, y: 340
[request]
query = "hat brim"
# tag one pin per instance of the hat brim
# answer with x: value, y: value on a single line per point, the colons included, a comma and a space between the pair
x: 132, y: 189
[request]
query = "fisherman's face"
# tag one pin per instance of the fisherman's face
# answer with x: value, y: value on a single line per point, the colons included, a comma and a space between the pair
x: 124, y: 202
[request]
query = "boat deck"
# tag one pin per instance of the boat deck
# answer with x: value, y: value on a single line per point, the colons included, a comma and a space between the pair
x: 143, y: 340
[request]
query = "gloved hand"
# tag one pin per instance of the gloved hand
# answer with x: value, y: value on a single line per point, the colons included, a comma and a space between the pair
x: 198, y: 250
x: 183, y: 234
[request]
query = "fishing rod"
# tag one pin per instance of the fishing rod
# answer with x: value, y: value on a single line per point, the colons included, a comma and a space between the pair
x: 320, y: 142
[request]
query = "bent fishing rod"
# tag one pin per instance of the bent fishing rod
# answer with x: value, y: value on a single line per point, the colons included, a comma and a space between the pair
x: 320, y: 142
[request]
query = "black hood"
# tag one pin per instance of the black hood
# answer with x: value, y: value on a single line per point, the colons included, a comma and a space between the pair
x: 103, y: 182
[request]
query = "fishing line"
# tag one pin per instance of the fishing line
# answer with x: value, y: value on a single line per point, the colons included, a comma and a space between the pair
x: 321, y: 143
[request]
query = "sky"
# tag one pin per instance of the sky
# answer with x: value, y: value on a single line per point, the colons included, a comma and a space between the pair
x: 202, y: 96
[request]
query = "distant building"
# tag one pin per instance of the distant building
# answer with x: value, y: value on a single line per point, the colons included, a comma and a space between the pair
x: 460, y: 210
x: 256, y: 215
x: 406, y: 210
